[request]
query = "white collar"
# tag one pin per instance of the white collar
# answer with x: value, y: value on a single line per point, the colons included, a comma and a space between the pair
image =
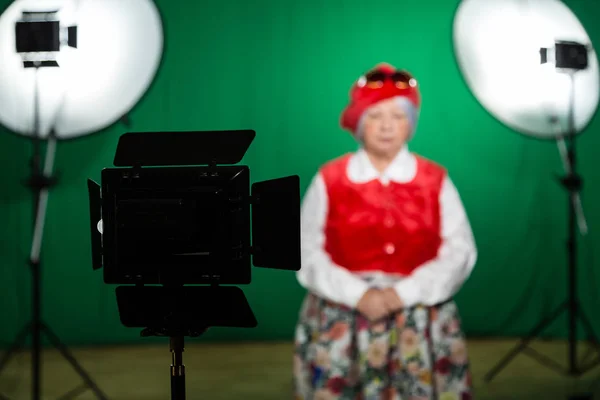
x: 402, y: 169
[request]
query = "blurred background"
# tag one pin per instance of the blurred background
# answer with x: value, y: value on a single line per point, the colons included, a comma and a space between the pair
x: 284, y: 69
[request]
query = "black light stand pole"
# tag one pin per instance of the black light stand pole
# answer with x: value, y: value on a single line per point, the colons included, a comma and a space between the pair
x: 39, y: 182
x: 572, y: 182
x: 574, y: 187
x: 176, y: 345
x: 177, y: 369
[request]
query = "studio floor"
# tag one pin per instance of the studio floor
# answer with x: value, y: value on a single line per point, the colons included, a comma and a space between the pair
x: 263, y: 371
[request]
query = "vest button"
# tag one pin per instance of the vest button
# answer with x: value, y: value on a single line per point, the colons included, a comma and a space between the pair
x: 389, y: 222
x: 389, y: 248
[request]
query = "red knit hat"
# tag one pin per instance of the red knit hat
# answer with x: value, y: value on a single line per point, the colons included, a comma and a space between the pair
x: 364, y: 95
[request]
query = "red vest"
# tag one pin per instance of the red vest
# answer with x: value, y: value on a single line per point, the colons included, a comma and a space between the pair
x: 374, y: 227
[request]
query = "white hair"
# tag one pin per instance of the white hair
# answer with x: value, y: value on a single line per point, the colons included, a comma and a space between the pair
x: 412, y: 113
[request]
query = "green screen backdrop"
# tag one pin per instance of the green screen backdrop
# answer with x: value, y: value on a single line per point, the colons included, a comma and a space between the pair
x: 284, y: 69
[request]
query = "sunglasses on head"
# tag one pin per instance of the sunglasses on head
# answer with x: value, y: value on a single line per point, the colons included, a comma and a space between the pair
x: 401, y: 79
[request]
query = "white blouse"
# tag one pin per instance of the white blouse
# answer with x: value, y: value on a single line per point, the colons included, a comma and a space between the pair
x: 433, y: 282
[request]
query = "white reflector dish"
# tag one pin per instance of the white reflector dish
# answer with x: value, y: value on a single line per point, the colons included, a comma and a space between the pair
x: 497, y: 45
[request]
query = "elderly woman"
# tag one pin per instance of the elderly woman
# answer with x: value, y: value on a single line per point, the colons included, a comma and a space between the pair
x: 386, y: 243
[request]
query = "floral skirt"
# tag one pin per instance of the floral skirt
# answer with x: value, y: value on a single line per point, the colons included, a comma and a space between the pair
x: 417, y: 354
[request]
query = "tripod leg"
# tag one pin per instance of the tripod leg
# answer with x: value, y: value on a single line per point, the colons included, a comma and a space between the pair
x: 71, y: 359
x: 72, y: 394
x: 593, y: 342
x: 16, y: 346
x: 588, y: 327
x: 524, y: 342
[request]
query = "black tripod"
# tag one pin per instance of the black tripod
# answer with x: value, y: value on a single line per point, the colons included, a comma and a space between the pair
x: 572, y: 182
x: 40, y: 181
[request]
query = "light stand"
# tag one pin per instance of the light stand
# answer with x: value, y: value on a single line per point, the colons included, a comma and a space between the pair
x: 569, y: 56
x: 40, y: 182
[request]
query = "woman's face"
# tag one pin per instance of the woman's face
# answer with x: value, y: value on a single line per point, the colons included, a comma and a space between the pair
x: 386, y: 128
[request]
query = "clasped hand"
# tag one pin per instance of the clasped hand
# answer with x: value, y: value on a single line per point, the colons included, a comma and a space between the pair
x: 378, y: 303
